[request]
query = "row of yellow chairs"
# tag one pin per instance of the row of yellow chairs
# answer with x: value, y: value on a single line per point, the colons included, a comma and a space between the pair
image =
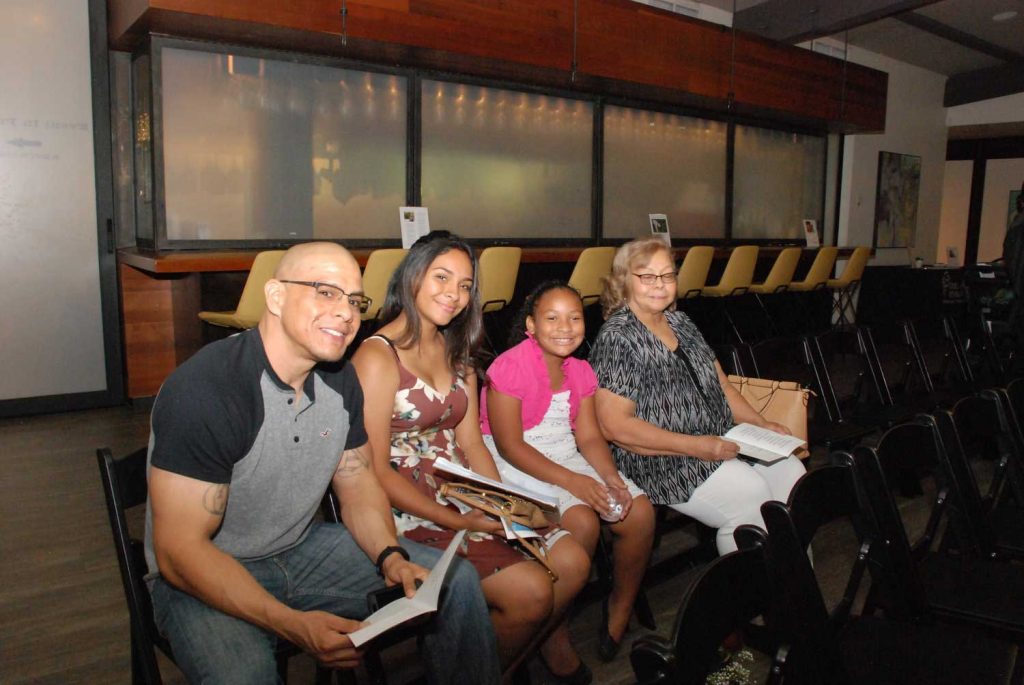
x: 738, y: 277
x: 499, y: 267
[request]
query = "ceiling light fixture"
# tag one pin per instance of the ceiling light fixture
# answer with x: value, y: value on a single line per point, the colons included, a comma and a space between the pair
x: 1005, y: 16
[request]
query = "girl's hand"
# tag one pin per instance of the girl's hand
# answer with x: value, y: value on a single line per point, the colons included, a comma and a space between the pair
x: 591, y: 492
x: 480, y: 522
x: 777, y: 428
x: 714, y: 448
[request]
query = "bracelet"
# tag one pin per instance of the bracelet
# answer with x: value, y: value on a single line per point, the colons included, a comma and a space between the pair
x: 387, y: 552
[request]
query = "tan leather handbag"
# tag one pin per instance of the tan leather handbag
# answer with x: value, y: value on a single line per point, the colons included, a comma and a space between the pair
x: 784, y: 402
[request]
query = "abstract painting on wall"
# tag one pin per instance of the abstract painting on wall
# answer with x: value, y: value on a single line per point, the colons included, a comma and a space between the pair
x: 899, y: 181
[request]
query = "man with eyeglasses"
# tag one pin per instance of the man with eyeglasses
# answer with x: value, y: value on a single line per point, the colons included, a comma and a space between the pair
x: 247, y: 436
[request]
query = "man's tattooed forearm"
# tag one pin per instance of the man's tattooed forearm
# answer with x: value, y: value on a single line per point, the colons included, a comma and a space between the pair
x: 353, y: 462
x: 215, y: 499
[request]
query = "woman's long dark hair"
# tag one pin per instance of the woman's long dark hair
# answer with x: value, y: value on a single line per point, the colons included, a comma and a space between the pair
x: 463, y: 334
x: 518, y: 331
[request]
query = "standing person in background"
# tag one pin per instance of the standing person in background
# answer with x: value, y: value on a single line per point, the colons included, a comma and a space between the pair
x: 1013, y: 256
x: 538, y: 418
x: 664, y: 401
x: 419, y: 377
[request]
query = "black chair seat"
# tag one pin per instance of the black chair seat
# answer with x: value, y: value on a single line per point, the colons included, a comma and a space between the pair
x: 883, y: 652
x: 979, y: 592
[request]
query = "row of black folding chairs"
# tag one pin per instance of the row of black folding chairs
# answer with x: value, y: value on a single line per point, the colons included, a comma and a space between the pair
x: 937, y: 610
x: 865, y: 382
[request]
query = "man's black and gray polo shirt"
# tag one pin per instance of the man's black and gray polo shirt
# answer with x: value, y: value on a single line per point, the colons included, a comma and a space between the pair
x: 224, y: 416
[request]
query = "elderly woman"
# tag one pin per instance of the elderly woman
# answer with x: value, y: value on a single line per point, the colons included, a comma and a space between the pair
x: 664, y: 401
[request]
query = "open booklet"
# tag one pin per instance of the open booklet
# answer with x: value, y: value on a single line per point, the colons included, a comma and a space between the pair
x: 408, y: 608
x: 545, y: 502
x: 761, y: 444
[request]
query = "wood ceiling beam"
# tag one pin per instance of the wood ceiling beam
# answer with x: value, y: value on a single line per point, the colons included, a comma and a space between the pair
x: 967, y: 40
x: 984, y: 84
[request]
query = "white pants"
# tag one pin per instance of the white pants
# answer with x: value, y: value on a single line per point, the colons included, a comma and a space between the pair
x: 734, y: 493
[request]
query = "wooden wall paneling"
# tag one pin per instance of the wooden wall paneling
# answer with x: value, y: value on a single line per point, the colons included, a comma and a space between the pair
x: 534, y: 32
x: 157, y: 334
x: 623, y: 49
x: 628, y: 41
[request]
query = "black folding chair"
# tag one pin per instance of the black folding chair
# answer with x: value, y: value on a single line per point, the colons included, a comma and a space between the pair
x: 996, y: 531
x: 967, y: 587
x: 988, y: 427
x: 727, y: 594
x: 839, y: 646
x: 125, y: 487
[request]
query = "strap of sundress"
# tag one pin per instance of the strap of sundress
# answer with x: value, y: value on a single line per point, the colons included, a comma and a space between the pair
x: 390, y: 344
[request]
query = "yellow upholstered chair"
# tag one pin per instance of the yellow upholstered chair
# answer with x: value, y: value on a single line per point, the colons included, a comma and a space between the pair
x: 846, y: 286
x: 781, y: 275
x: 778, y: 281
x: 738, y: 274
x: 593, y: 265
x: 820, y: 271
x: 499, y: 267
x: 376, y: 274
x: 693, y: 272
x: 251, y: 303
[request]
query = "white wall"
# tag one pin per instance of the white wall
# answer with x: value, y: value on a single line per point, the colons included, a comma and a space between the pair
x: 915, y: 124
x: 956, y: 203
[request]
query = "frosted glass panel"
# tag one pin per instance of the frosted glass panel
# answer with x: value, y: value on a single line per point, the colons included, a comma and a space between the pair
x: 499, y: 163
x: 257, y: 148
x: 656, y: 163
x: 779, y: 180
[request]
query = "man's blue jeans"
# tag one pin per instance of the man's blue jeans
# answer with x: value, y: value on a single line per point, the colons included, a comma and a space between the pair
x: 329, y: 572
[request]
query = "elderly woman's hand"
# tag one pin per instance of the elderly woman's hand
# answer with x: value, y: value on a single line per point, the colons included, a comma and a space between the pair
x: 777, y: 428
x: 714, y: 448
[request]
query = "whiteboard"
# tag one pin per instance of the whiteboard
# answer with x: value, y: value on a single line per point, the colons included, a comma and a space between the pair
x: 51, y: 330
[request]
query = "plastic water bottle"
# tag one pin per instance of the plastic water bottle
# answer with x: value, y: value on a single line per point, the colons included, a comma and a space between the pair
x: 615, y: 510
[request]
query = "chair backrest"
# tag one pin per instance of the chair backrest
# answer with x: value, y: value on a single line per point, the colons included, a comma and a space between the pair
x: 125, y: 487
x: 806, y: 626
x: 854, y: 269
x: 821, y: 269
x: 969, y: 517
x: 499, y: 268
x: 251, y: 303
x: 727, y: 594
x: 693, y: 272
x: 593, y: 265
x: 376, y: 274
x: 987, y: 426
x: 783, y: 269
x: 739, y: 270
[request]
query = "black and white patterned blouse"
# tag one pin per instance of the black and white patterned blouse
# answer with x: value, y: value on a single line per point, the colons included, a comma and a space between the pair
x: 678, y: 391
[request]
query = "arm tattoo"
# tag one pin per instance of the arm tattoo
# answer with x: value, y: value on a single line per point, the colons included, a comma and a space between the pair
x: 215, y: 499
x: 353, y: 462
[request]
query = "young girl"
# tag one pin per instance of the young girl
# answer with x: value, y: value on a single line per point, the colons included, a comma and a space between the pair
x: 420, y: 389
x: 538, y: 413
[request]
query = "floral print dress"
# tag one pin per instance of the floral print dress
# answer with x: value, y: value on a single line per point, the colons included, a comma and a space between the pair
x: 423, y: 425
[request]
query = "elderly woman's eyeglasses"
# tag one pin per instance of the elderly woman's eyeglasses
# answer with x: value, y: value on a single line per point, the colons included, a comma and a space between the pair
x: 651, y: 279
x: 325, y: 292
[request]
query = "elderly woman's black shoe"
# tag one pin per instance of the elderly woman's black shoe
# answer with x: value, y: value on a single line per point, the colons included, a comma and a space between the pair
x: 607, y: 646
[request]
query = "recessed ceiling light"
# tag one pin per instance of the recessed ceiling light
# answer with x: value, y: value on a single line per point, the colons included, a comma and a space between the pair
x: 1005, y: 16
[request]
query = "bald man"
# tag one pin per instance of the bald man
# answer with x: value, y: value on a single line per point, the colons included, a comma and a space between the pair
x: 247, y: 435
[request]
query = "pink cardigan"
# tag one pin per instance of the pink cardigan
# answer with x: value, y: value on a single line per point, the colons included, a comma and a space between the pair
x: 520, y: 372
